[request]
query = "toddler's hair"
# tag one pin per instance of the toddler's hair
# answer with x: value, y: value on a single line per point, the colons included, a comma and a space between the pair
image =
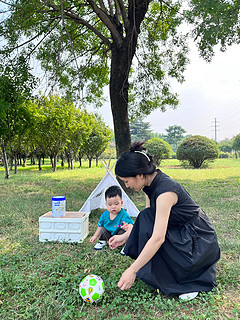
x: 113, y: 191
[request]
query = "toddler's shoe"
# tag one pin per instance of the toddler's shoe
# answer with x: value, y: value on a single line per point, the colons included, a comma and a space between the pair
x: 100, y: 245
x: 122, y: 251
x: 188, y: 296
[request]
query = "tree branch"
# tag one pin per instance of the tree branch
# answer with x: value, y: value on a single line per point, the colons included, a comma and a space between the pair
x: 177, y: 11
x: 107, y: 21
x: 110, y: 7
x: 124, y: 14
x: 72, y: 15
x: 72, y: 47
x: 117, y: 12
x: 43, y: 38
x: 8, y: 4
x: 102, y: 5
x: 35, y: 37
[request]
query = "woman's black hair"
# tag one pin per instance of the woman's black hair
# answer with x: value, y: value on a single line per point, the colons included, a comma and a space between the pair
x: 135, y: 161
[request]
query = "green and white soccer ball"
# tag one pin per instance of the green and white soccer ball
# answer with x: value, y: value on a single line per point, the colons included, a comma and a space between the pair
x: 91, y: 288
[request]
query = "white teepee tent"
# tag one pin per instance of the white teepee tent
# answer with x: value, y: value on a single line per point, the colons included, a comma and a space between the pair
x: 97, y: 197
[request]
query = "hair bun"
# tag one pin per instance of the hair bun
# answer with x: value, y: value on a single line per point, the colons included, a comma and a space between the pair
x: 135, y: 161
x: 137, y: 146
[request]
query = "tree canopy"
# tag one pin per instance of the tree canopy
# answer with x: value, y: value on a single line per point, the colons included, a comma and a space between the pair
x: 16, y: 82
x: 49, y: 126
x: 174, y: 136
x: 55, y: 119
x: 86, y: 45
x: 135, y: 47
x: 98, y: 139
x: 225, y: 145
x: 140, y: 130
x: 236, y: 144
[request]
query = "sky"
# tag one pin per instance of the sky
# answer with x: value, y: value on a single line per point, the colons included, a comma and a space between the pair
x: 209, y: 98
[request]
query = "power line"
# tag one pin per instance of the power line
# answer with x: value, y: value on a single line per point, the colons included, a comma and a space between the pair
x: 229, y: 109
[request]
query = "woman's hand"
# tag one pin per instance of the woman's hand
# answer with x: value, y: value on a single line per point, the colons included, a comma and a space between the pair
x: 127, y: 279
x: 117, y: 241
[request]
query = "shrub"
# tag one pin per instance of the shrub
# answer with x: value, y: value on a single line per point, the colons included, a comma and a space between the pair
x: 224, y: 155
x: 197, y: 150
x: 159, y: 149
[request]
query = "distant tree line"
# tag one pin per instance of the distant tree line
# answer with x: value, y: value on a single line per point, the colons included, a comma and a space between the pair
x: 194, y: 150
x: 50, y: 126
x: 141, y: 131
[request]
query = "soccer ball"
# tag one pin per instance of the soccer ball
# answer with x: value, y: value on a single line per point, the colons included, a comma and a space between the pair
x: 91, y: 288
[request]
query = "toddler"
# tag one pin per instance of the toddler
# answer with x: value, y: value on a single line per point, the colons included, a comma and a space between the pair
x: 113, y: 220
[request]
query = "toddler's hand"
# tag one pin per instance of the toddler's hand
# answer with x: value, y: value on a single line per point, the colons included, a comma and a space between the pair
x: 125, y: 226
x: 93, y: 239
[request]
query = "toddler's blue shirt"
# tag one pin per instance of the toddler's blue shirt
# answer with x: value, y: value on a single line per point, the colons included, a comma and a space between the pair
x: 114, y: 225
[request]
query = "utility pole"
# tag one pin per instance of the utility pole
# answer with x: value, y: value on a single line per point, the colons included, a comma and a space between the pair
x: 215, y: 129
x: 215, y: 126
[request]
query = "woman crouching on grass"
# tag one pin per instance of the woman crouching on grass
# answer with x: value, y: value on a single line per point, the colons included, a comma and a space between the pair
x: 173, y: 242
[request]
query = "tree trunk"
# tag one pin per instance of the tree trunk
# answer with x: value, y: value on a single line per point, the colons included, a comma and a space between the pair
x: 90, y: 162
x: 80, y: 161
x: 24, y: 162
x: 39, y: 163
x: 5, y: 162
x: 62, y: 159
x: 11, y: 162
x: 54, y: 168
x: 119, y: 99
x: 15, y: 164
x: 69, y: 162
x: 121, y: 61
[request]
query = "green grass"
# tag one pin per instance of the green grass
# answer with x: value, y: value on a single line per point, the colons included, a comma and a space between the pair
x: 40, y: 280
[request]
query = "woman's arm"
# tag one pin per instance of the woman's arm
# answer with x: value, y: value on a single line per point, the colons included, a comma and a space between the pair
x: 164, y: 204
x: 147, y: 201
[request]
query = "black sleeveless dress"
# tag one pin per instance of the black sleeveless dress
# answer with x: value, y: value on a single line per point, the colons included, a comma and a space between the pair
x: 186, y: 261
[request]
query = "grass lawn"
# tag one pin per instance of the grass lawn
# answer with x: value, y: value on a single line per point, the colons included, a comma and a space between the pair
x: 40, y: 280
